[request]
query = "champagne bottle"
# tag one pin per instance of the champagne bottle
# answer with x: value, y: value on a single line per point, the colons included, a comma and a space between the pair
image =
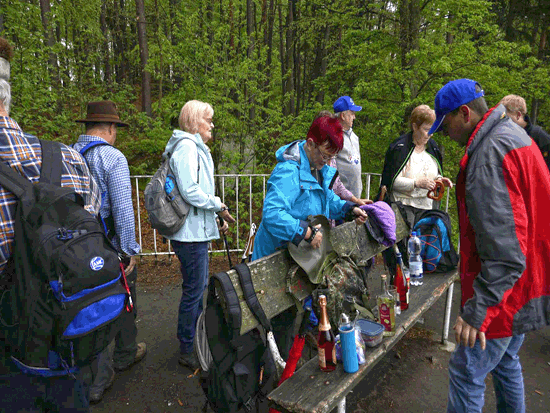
x: 325, y: 340
x: 400, y: 281
x: 386, y: 308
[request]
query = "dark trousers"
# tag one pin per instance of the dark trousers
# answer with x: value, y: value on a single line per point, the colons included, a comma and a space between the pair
x: 122, y: 354
x: 24, y: 393
x: 193, y: 257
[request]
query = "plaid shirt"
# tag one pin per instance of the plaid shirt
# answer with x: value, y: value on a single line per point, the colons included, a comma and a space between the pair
x: 109, y: 168
x: 23, y: 153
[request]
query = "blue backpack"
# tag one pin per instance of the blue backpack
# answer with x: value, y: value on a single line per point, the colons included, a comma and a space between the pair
x: 433, y: 227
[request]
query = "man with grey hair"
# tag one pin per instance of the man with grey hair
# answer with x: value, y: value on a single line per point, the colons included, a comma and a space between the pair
x: 348, y: 160
x: 31, y: 388
x: 516, y: 109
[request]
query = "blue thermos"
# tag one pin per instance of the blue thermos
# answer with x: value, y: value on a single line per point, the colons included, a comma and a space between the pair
x: 349, y: 347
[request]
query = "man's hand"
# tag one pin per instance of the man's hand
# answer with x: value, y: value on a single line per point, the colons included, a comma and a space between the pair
x: 467, y: 335
x: 130, y: 267
x: 361, y: 216
x: 224, y: 213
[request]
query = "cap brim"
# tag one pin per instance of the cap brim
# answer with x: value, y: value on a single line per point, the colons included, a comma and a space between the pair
x: 436, y: 127
x: 356, y: 108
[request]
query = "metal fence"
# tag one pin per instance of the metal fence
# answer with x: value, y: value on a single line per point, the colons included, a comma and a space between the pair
x: 243, y: 193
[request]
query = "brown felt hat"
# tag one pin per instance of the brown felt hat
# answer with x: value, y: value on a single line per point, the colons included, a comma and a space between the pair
x: 103, y: 111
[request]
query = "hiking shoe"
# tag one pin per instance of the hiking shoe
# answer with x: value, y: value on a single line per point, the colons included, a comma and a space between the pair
x: 97, y: 395
x: 189, y: 360
x: 140, y: 354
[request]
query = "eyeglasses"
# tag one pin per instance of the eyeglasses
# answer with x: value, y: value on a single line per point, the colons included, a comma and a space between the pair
x: 325, y: 157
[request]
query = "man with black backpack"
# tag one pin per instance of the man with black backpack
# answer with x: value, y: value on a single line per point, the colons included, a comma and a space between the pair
x: 24, y: 388
x: 109, y: 168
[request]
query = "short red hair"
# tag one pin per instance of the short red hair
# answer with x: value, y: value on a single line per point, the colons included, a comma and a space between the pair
x: 327, y: 130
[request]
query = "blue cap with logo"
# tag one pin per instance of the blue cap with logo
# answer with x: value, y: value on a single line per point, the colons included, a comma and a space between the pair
x: 344, y: 103
x: 452, y: 96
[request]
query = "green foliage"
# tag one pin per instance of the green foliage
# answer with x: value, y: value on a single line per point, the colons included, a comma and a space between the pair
x: 267, y: 80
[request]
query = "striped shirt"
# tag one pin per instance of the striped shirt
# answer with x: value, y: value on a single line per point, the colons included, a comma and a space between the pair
x: 109, y: 168
x: 23, y: 153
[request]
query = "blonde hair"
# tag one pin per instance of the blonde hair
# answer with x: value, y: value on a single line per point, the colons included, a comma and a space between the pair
x: 514, y: 103
x: 191, y: 113
x: 421, y: 114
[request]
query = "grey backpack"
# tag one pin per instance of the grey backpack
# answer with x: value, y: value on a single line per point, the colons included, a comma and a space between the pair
x: 165, y: 206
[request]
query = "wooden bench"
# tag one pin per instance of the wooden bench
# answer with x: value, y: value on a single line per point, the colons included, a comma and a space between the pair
x: 311, y: 390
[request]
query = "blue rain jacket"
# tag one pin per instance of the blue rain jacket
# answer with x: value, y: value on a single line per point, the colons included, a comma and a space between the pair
x: 293, y: 194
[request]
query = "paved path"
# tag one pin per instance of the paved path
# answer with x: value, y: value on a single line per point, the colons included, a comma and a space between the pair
x: 412, y: 378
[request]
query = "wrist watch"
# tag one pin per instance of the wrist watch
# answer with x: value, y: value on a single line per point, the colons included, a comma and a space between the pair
x: 314, y: 232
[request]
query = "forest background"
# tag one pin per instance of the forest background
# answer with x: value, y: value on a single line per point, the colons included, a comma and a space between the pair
x: 267, y: 67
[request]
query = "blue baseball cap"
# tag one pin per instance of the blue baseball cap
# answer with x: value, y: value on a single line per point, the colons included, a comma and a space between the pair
x: 452, y: 96
x: 344, y: 103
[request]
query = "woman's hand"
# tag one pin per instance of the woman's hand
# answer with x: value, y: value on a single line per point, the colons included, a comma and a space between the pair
x: 223, y: 228
x: 361, y: 216
x: 447, y: 182
x: 360, y: 202
x: 317, y: 240
x: 425, y: 183
x: 224, y: 213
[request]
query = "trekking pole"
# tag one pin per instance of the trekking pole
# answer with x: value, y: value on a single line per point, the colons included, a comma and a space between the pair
x: 225, y: 242
x: 249, y: 244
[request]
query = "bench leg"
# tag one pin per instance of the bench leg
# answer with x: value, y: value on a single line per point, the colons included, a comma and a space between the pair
x: 342, y: 405
x: 445, y: 343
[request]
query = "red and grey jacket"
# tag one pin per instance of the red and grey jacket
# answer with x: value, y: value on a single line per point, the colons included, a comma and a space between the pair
x: 503, y: 192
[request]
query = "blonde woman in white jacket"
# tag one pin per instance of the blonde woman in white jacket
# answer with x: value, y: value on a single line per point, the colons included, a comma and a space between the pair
x: 193, y: 168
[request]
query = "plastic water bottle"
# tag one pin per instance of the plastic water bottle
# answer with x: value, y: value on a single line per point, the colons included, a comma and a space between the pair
x: 415, y: 261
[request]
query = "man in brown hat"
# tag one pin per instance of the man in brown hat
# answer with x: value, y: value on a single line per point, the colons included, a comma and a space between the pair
x: 30, y: 389
x: 109, y: 168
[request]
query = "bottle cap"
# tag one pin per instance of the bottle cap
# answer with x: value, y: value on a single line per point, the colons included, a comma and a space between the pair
x: 344, y: 319
x: 322, y: 300
x: 413, y: 234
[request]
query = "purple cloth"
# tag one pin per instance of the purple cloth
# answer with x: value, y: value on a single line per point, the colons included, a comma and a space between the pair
x: 382, y: 216
x: 338, y: 187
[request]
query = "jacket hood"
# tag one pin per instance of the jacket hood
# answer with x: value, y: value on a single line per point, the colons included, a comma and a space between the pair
x: 290, y: 152
x: 489, y: 121
x: 177, y: 137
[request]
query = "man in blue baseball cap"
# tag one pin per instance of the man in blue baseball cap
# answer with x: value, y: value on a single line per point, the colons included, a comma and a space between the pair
x: 503, y: 192
x: 348, y: 160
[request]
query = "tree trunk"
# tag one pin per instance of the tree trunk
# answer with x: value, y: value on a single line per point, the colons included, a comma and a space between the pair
x: 250, y: 18
x: 45, y: 13
x: 144, y: 56
x: 107, y: 71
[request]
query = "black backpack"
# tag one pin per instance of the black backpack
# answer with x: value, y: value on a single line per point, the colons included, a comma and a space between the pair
x: 63, y: 290
x: 242, y: 371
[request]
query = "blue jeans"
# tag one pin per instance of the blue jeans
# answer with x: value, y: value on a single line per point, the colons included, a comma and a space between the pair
x: 193, y: 257
x: 468, y: 368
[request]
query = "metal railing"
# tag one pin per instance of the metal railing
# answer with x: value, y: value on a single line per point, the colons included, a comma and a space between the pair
x: 243, y: 193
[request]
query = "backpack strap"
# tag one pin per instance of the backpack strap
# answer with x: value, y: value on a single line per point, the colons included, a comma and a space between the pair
x: 50, y: 172
x: 13, y: 181
x: 250, y: 295
x: 91, y: 145
x: 232, y: 306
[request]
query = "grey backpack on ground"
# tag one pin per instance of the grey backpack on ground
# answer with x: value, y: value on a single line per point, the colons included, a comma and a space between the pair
x: 165, y: 206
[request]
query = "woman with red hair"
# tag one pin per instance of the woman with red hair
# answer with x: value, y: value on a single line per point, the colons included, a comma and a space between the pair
x: 301, y: 185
